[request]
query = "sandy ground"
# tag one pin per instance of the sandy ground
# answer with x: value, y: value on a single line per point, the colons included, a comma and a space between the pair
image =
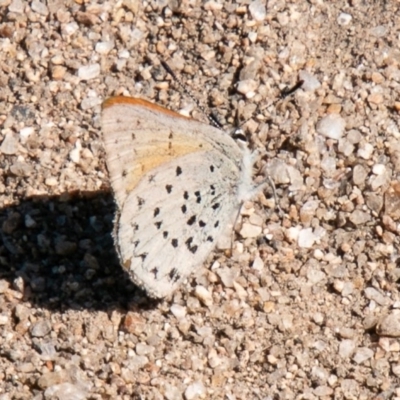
x: 307, y: 305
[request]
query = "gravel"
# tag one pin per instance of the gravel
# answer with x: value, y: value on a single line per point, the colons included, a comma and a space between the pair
x: 305, y: 304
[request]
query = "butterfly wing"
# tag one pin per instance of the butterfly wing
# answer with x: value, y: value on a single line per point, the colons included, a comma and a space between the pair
x: 175, y: 181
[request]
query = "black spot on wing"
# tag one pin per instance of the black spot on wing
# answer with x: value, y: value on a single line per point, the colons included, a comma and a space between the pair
x: 174, y: 243
x: 154, y: 271
x: 215, y: 206
x: 174, y: 275
x: 216, y: 224
x: 212, y: 169
x: 202, y: 224
x: 140, y: 201
x: 191, y: 220
x: 210, y: 239
x: 212, y: 188
x: 192, y: 248
x: 185, y: 195
x: 165, y: 234
x: 184, y: 209
x: 156, y: 212
x: 168, y: 188
x: 198, y: 196
x: 158, y: 224
x: 178, y: 170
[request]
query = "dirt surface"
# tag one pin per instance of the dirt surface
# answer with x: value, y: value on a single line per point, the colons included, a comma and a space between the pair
x: 307, y: 306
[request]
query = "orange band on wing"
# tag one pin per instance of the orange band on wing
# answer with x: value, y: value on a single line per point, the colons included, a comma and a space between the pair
x: 140, y: 102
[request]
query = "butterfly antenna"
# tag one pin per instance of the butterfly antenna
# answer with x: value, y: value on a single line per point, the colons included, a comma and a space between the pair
x: 211, y: 117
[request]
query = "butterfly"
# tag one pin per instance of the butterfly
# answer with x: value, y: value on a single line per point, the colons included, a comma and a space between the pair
x: 177, y: 183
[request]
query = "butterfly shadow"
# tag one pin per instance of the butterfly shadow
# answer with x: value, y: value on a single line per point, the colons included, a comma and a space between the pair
x: 59, y: 253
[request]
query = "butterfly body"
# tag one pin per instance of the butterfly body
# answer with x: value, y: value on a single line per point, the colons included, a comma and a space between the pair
x: 177, y: 184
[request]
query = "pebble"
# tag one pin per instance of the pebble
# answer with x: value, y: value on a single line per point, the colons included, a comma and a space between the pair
x: 66, y: 391
x: 24, y: 133
x: 41, y: 328
x: 347, y: 348
x: 310, y: 82
x: 258, y: 264
x: 194, y: 391
x: 307, y: 237
x: 250, y: 230
x: 88, y: 72
x: 358, y: 217
x: 178, y: 311
x: 247, y: 87
x: 360, y: 175
x: 390, y: 325
x: 365, y: 151
x: 203, y: 295
x: 39, y: 8
x: 104, y: 47
x: 4, y: 319
x: 332, y: 126
x: 344, y: 19
x: 363, y: 354
x: 373, y: 294
x: 257, y: 10
x: 9, y: 145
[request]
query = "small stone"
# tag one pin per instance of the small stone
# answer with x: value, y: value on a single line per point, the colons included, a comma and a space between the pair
x: 359, y: 175
x: 178, y: 311
x: 21, y: 168
x: 344, y: 19
x: 17, y: 6
x: 51, y: 181
x: 104, y: 47
x: 315, y: 276
x: 48, y: 351
x: 227, y: 276
x: 306, y: 238
x: 39, y: 8
x: 134, y: 323
x: 41, y: 328
x: 257, y: 10
x: 19, y: 284
x: 90, y: 102
x: 375, y: 98
x: 143, y: 349
x: 322, y: 391
x: 250, y: 231
x: 58, y: 72
x: 258, y: 263
x: 9, y: 146
x: 358, y: 217
x: 363, y: 354
x: 4, y: 319
x: 247, y: 87
x: 88, y: 72
x: 379, y: 31
x: 373, y: 294
x: 332, y: 126
x: 66, y: 391
x: 390, y: 325
x: 203, y: 295
x: 195, y: 391
x: 172, y: 392
x: 310, y: 82
x: 365, y: 151
x: 24, y: 133
x: 346, y: 348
